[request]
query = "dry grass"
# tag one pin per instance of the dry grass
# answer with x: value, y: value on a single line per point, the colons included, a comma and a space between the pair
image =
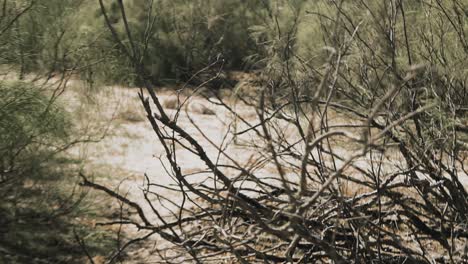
x: 131, y: 115
x: 172, y: 102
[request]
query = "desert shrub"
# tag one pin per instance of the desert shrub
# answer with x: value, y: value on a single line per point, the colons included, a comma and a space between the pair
x: 42, y: 39
x: 29, y: 122
x: 39, y: 201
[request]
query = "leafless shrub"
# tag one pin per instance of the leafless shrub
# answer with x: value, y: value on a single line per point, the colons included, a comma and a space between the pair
x: 289, y: 199
x: 131, y: 115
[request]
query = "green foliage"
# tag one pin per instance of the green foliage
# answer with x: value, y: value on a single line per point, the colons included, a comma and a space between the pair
x: 28, y: 122
x: 182, y: 37
x: 42, y: 39
x: 39, y: 201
